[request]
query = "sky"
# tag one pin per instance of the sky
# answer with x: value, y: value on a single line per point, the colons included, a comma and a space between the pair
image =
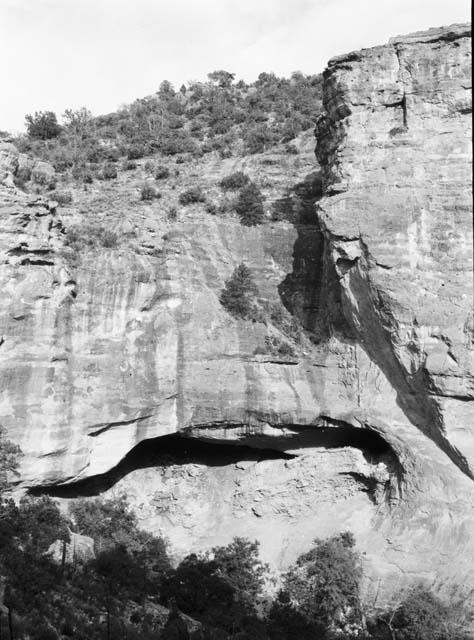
x: 59, y: 54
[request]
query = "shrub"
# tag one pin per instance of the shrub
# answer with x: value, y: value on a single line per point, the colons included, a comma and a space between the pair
x: 192, y: 196
x: 422, y: 616
x: 129, y: 165
x: 325, y: 582
x: 136, y: 151
x: 80, y: 237
x: 149, y: 166
x: 62, y: 197
x: 249, y: 205
x: 43, y: 125
x: 258, y: 138
x: 211, y: 208
x: 234, y: 181
x: 109, y: 171
x: 149, y: 192
x: 278, y: 347
x: 219, y: 588
x: 239, y: 293
x: 162, y: 172
x: 291, y: 148
x: 9, y: 460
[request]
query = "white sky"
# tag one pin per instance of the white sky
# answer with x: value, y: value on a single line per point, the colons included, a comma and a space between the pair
x: 57, y: 54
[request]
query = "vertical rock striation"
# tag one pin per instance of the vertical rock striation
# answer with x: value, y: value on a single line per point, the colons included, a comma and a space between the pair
x: 121, y: 371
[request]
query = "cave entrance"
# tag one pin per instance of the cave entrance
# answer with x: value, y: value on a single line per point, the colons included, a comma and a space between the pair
x: 185, y: 448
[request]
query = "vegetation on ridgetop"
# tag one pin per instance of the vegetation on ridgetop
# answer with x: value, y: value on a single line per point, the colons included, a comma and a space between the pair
x: 231, y: 118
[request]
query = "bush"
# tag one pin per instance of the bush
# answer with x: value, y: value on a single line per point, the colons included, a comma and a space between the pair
x: 109, y: 171
x: 249, y: 205
x: 129, y: 165
x: 239, y: 293
x: 149, y: 192
x: 136, y: 151
x: 258, y: 138
x: 234, y: 181
x: 422, y: 616
x: 192, y: 196
x: 80, y: 237
x: 291, y: 148
x: 162, y: 172
x: 62, y: 197
x: 278, y: 347
x: 211, y: 208
x: 220, y: 588
x: 325, y: 582
x: 43, y: 125
x: 149, y: 166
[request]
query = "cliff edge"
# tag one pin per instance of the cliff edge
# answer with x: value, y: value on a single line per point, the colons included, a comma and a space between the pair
x: 121, y: 371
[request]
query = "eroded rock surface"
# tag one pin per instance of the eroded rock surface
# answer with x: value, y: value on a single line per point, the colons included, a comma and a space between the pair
x: 366, y: 425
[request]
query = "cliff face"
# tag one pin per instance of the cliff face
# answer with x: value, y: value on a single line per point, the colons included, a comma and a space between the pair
x: 120, y: 370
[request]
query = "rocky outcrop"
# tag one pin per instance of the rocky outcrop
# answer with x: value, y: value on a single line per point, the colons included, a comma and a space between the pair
x: 122, y: 372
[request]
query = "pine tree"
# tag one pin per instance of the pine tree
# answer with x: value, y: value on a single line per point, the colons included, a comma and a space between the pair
x: 239, y: 293
x: 250, y: 205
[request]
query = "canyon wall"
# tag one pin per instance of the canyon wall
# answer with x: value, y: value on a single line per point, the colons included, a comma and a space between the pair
x: 121, y: 372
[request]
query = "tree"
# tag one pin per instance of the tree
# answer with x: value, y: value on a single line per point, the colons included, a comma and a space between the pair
x: 41, y: 524
x: 9, y: 459
x: 109, y: 522
x: 78, y: 123
x: 222, y: 78
x: 234, y: 181
x: 43, y: 125
x: 286, y: 622
x: 259, y: 137
x: 422, y: 616
x: 249, y: 205
x: 325, y: 581
x: 239, y: 293
x: 220, y: 588
x: 240, y: 563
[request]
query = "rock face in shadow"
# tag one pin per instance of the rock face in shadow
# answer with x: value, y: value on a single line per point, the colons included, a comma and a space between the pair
x: 365, y: 423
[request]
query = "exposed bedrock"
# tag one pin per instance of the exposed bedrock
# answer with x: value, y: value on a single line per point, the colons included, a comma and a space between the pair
x: 121, y: 371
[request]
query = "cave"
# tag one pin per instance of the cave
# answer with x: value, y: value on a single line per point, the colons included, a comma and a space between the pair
x: 184, y: 448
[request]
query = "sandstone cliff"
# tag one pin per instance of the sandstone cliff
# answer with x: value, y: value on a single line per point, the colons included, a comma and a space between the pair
x: 122, y: 372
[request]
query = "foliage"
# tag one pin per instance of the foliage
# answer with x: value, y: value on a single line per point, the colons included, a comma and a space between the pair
x: 277, y: 347
x: 9, y: 460
x: 62, y: 197
x: 249, y: 205
x: 259, y: 137
x: 149, y: 192
x: 42, y: 125
x: 192, y: 195
x: 136, y: 151
x: 109, y: 171
x: 89, y: 236
x: 219, y: 588
x: 286, y: 622
x: 114, y: 594
x: 239, y: 293
x: 129, y: 165
x: 223, y: 78
x: 422, y: 616
x: 325, y: 581
x: 234, y: 181
x: 162, y: 172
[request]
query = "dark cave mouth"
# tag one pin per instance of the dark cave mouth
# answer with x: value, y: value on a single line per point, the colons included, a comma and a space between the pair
x: 183, y: 448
